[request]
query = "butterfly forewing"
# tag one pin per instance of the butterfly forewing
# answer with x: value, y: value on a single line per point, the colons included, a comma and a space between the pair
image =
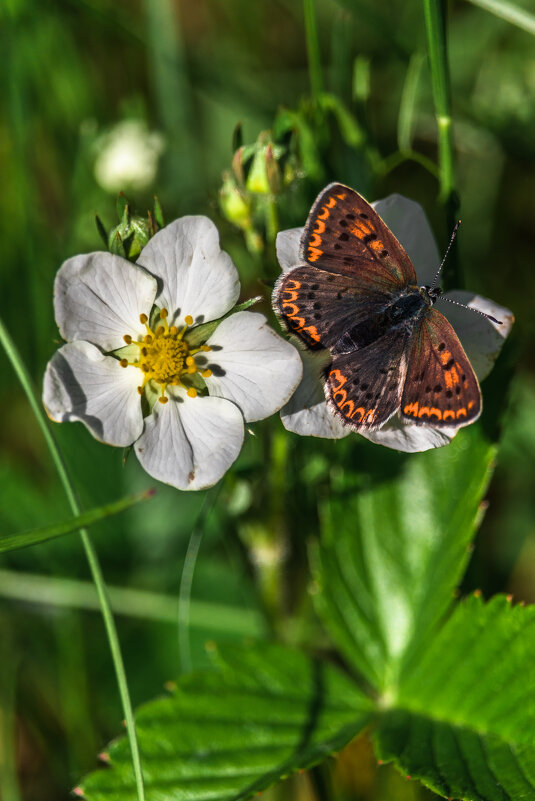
x: 364, y: 387
x: 441, y: 388
x: 319, y: 306
x: 345, y: 235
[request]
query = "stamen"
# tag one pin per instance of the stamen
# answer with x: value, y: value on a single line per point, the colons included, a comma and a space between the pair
x: 164, y: 356
x: 206, y: 348
x: 206, y: 373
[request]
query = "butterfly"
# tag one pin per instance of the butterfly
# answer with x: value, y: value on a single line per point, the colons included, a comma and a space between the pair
x: 356, y: 295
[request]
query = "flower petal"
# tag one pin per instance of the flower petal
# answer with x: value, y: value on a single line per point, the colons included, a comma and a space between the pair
x: 82, y: 384
x: 196, y: 277
x: 481, y: 338
x: 98, y: 297
x: 408, y: 437
x: 306, y: 412
x: 252, y: 365
x: 408, y: 222
x: 287, y: 245
x: 190, y: 443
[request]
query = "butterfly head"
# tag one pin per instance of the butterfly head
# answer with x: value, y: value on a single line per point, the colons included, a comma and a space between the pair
x: 430, y: 294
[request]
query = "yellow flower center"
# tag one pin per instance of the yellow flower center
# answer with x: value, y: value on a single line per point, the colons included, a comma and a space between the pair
x: 165, y: 357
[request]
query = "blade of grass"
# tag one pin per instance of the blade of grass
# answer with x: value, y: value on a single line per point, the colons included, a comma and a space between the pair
x: 509, y: 12
x: 408, y: 102
x: 313, y: 49
x: 67, y: 593
x: 23, y: 539
x: 435, y: 25
x: 109, y: 623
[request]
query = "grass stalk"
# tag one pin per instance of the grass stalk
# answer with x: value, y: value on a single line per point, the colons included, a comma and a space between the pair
x: 91, y: 555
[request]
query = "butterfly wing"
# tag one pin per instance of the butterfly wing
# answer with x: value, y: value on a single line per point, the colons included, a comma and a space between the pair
x: 441, y: 388
x: 343, y: 234
x: 319, y: 306
x: 364, y: 387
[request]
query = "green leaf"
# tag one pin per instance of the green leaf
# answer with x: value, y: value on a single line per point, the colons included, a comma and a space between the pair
x: 23, y: 539
x: 392, y: 555
x: 464, y: 717
x: 228, y: 733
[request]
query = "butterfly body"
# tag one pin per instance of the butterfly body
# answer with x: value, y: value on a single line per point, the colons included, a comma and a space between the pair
x: 356, y: 295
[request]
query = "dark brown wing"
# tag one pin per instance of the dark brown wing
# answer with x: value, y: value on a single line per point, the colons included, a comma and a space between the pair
x: 364, y: 387
x: 320, y: 307
x: 344, y: 235
x: 441, y: 388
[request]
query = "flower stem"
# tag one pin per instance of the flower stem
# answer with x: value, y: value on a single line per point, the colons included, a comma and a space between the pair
x: 91, y: 555
x: 313, y: 49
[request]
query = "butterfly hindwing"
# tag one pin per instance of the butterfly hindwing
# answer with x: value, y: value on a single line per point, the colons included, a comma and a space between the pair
x: 319, y: 306
x: 441, y: 388
x: 344, y: 234
x: 364, y: 387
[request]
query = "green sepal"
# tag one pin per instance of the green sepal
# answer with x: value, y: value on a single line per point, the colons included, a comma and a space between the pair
x: 196, y: 336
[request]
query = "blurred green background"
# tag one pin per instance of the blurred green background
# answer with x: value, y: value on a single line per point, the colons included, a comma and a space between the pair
x: 178, y: 76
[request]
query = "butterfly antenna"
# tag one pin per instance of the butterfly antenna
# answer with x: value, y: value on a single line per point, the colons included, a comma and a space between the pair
x: 471, y: 308
x: 453, y: 235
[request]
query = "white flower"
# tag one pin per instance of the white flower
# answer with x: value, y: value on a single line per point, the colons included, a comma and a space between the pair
x: 136, y: 368
x: 128, y: 157
x: 307, y: 411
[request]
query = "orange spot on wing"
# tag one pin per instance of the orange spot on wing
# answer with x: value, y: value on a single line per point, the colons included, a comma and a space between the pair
x: 312, y: 331
x: 320, y: 227
x: 291, y: 294
x: 314, y: 253
x: 341, y: 197
x: 314, y: 241
x: 471, y: 405
x: 350, y: 406
x: 336, y: 375
x: 449, y: 414
x: 462, y: 412
x: 361, y: 411
x: 342, y: 394
x: 411, y: 409
x: 377, y: 245
x: 290, y: 309
x: 293, y: 284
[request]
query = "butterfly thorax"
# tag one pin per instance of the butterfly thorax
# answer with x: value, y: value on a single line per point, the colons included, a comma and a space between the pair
x: 403, y: 311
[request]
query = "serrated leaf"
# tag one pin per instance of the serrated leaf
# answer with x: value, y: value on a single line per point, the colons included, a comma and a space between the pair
x: 23, y: 539
x: 463, y: 721
x: 391, y: 556
x: 228, y: 733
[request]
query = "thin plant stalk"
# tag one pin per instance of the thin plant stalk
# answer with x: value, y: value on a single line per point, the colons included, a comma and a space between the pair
x: 438, y: 63
x: 91, y: 555
x: 435, y: 25
x: 313, y: 49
